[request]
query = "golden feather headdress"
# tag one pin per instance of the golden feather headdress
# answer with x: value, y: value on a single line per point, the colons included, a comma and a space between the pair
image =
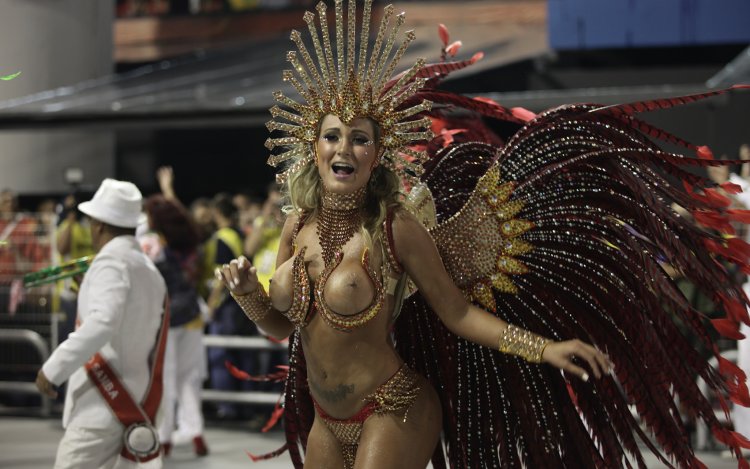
x: 336, y: 85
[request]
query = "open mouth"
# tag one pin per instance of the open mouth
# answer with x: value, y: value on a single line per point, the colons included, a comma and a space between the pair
x: 342, y: 169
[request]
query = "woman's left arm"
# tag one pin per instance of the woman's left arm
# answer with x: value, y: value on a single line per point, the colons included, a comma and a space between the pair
x: 418, y: 254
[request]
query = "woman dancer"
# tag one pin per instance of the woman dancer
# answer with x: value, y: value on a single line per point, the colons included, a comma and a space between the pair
x: 557, y: 236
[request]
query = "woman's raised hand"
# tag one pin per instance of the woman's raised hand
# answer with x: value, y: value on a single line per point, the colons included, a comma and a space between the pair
x: 561, y: 354
x: 239, y: 276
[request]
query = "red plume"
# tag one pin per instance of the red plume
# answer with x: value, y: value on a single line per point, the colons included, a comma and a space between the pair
x: 728, y: 328
x: 236, y: 372
x: 704, y: 153
x: 443, y: 33
x: 731, y: 187
x: 453, y: 48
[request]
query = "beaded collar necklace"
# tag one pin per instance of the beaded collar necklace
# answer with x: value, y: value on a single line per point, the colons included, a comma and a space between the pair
x: 339, y: 218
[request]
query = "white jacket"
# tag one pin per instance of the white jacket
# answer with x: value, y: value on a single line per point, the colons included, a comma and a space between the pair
x: 119, y: 313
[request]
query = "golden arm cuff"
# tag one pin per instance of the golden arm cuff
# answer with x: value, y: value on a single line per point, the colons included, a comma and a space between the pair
x: 523, y: 343
x: 256, y: 305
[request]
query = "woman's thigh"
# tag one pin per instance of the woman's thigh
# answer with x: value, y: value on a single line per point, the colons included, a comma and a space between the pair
x: 323, y: 450
x: 389, y: 441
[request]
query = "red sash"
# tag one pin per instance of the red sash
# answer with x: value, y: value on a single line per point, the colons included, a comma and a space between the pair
x: 116, y: 395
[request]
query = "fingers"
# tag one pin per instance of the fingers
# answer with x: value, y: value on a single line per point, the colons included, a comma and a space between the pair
x: 239, y: 276
x: 604, y: 362
x: 573, y: 369
x: 597, y: 360
x: 591, y: 355
x: 219, y: 274
x: 234, y: 273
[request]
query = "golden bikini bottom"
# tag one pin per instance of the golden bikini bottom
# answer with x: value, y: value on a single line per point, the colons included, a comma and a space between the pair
x: 395, y: 395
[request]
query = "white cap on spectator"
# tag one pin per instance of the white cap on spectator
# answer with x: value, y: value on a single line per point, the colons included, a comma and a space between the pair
x: 116, y: 203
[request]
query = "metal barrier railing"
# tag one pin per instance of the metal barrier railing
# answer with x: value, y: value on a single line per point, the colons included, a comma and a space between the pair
x: 27, y: 243
x: 702, y: 432
x: 36, y: 341
x: 244, y: 397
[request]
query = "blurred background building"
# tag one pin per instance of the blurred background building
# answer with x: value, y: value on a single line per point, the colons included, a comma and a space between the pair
x: 120, y: 88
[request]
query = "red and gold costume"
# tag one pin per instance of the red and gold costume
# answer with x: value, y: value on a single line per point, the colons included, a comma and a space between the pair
x: 562, y: 231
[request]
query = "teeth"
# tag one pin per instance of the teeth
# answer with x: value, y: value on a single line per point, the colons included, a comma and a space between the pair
x: 342, y: 168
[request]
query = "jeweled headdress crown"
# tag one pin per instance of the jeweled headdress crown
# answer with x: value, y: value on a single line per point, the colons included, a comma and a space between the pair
x: 337, y: 85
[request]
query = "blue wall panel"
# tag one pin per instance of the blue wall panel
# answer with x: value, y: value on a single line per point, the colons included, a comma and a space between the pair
x: 590, y: 24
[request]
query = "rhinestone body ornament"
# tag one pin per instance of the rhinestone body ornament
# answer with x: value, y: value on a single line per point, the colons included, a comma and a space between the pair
x: 340, y: 216
x: 256, y: 304
x: 394, y: 396
x: 523, y: 343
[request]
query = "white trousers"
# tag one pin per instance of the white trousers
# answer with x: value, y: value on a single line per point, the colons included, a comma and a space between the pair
x: 86, y: 448
x: 184, y: 372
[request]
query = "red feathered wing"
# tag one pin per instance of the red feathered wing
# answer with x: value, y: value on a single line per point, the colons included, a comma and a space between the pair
x: 589, y: 192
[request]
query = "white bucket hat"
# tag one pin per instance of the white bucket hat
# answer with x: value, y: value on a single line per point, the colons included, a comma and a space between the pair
x: 116, y: 203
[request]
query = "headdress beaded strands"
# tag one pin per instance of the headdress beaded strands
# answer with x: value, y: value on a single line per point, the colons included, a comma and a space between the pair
x: 350, y: 85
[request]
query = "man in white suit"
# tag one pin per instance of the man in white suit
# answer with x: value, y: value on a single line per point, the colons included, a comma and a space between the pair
x: 120, y: 310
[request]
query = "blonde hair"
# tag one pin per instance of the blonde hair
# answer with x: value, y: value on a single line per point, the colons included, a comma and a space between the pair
x: 304, y: 188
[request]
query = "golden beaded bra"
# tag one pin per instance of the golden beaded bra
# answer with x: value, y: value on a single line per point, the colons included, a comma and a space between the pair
x: 308, y: 299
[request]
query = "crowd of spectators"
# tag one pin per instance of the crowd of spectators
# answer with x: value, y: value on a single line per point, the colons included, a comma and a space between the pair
x: 186, y: 243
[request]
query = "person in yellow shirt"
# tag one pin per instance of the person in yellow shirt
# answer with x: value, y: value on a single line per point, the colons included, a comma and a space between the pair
x: 262, y: 244
x: 226, y: 317
x: 73, y: 239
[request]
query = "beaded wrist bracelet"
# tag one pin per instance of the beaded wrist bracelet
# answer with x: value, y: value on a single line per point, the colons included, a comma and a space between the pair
x: 256, y: 304
x: 523, y: 343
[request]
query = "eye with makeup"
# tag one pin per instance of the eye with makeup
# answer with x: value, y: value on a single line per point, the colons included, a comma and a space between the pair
x: 357, y: 140
x: 362, y: 140
x: 331, y: 138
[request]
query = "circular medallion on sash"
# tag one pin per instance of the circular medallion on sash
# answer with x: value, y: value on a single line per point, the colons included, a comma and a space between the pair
x: 141, y: 440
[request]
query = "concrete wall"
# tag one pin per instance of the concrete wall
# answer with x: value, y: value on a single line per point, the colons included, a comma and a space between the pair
x: 54, y: 43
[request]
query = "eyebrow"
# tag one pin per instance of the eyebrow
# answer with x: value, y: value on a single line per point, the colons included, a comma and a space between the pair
x: 336, y: 129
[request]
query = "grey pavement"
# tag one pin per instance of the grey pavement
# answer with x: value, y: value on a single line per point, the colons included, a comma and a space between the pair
x: 31, y: 442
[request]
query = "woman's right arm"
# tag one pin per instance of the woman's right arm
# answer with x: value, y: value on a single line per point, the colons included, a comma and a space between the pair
x: 240, y: 277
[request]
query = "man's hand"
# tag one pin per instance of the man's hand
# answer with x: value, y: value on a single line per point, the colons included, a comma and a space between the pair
x: 165, y: 176
x: 44, y: 386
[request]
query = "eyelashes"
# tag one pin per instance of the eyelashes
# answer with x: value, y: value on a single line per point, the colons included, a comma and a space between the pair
x: 363, y: 141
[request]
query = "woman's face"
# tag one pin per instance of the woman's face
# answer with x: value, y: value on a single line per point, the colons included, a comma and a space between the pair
x: 346, y: 154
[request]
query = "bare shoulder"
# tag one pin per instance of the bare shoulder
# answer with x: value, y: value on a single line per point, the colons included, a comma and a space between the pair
x: 405, y: 221
x: 287, y: 233
x: 289, y: 225
x: 408, y: 232
x: 285, y: 243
